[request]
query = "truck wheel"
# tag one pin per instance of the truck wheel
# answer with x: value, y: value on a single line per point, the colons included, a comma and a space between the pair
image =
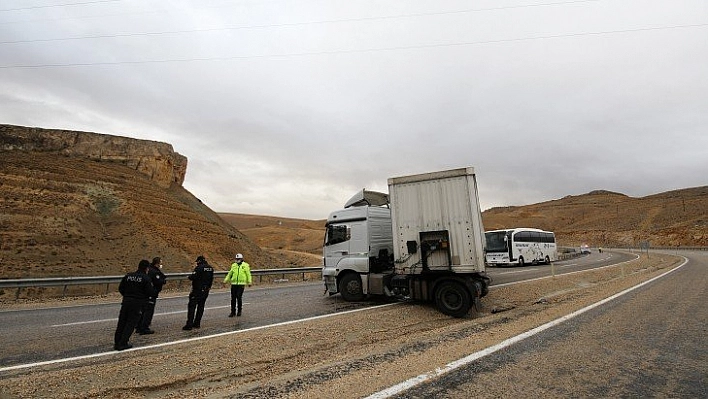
x: 453, y: 299
x: 521, y: 261
x: 350, y: 287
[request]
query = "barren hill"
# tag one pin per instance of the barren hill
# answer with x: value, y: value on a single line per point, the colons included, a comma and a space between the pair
x: 66, y: 211
x: 298, y: 240
x: 280, y: 233
x: 76, y: 203
x: 598, y: 218
x: 604, y: 218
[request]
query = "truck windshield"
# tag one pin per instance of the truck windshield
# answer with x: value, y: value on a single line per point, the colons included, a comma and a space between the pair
x: 337, y: 233
x: 496, y: 241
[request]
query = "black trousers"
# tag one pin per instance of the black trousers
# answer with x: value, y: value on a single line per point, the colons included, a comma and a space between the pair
x: 237, y: 297
x: 148, y: 313
x: 127, y: 320
x: 195, y: 307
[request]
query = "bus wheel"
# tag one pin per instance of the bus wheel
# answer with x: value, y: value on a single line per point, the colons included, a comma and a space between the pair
x: 351, y: 288
x: 453, y: 299
x: 548, y: 260
x: 521, y: 261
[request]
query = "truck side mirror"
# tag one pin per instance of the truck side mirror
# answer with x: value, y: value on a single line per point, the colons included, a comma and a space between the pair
x: 412, y: 247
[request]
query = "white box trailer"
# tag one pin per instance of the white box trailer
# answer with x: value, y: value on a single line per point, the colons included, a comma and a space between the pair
x: 440, y: 211
x: 425, y: 242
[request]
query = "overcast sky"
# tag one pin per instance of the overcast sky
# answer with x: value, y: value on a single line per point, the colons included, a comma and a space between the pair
x: 289, y: 107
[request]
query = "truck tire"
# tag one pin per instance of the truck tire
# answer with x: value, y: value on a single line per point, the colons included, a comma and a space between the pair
x: 350, y: 287
x: 453, y: 299
x: 521, y: 261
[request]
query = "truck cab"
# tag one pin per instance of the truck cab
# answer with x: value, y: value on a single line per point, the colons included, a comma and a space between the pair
x: 358, y: 242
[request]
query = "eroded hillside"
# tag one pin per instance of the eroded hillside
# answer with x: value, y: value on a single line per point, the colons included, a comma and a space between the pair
x: 280, y: 233
x: 598, y: 218
x: 603, y: 218
x: 101, y: 205
x: 68, y: 215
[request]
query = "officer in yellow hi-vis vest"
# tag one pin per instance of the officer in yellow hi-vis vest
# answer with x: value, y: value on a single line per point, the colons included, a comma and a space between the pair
x: 239, y: 276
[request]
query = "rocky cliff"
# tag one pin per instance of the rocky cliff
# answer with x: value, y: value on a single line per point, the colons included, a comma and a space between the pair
x: 75, y: 203
x: 157, y: 160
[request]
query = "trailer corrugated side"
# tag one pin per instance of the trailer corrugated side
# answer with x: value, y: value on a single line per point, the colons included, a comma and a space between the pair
x: 435, y: 210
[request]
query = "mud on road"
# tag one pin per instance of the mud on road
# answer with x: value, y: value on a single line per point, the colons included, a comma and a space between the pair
x: 351, y: 355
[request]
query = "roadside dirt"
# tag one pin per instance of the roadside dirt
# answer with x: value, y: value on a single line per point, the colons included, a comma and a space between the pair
x: 350, y: 355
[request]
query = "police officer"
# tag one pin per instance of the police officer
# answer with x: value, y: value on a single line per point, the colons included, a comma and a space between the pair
x: 239, y: 276
x: 202, y: 277
x: 158, y: 279
x: 136, y: 289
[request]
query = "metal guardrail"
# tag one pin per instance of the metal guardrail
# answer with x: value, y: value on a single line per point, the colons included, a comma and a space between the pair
x: 108, y: 280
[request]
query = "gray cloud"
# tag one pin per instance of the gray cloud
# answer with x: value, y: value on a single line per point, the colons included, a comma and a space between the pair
x: 288, y: 108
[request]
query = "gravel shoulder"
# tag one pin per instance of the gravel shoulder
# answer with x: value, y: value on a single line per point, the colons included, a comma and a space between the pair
x: 350, y: 355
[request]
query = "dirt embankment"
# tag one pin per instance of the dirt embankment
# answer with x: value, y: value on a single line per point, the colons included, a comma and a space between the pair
x: 350, y: 355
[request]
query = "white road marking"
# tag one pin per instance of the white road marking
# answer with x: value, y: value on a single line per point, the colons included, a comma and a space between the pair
x: 181, y: 341
x: 388, y: 392
x: 156, y: 314
x: 410, y: 383
x: 565, y: 274
x: 519, y: 271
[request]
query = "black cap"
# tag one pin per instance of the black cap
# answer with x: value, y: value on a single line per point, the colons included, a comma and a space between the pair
x: 200, y: 258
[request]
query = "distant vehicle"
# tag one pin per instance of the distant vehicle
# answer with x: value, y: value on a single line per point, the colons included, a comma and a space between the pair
x: 520, y: 246
x: 585, y: 249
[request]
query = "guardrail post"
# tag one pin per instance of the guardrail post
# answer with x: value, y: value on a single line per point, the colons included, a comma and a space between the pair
x: 63, y: 293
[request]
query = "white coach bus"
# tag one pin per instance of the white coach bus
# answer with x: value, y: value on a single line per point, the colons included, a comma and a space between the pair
x: 520, y: 246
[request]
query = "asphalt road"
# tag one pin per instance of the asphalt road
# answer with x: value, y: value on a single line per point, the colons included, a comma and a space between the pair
x: 44, y: 334
x: 505, y: 275
x: 651, y: 342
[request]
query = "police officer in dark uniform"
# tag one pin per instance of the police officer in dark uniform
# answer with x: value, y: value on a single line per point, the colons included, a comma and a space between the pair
x: 136, y: 289
x: 158, y: 279
x: 202, y: 277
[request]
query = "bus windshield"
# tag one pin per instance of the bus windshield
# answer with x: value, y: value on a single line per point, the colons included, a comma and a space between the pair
x: 496, y: 241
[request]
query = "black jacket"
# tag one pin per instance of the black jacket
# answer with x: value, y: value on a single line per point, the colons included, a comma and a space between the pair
x: 157, y: 277
x: 136, y: 287
x: 202, y: 276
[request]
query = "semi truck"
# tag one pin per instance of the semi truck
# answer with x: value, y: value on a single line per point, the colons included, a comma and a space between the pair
x: 422, y: 241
